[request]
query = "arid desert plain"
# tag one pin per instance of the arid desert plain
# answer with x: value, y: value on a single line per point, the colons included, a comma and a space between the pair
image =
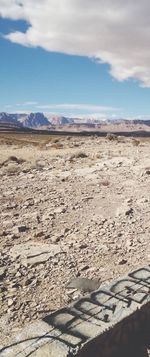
x: 70, y: 207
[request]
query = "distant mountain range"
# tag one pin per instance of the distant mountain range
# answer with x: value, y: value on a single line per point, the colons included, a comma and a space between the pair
x: 52, y: 122
x: 33, y: 120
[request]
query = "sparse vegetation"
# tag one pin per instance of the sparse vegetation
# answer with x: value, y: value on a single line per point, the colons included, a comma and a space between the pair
x: 40, y: 164
x: 57, y: 145
x: 11, y: 169
x: 82, y: 204
x: 112, y: 137
x: 135, y: 142
x: 98, y: 155
x: 12, y: 159
x: 121, y: 139
x: 104, y: 183
x: 78, y: 155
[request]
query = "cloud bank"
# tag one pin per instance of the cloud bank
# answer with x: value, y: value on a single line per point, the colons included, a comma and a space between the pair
x: 82, y: 107
x: 114, y: 32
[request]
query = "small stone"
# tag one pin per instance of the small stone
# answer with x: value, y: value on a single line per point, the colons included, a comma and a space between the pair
x: 83, y: 246
x: 84, y: 284
x: 55, y: 239
x: 39, y: 234
x: 84, y: 267
x: 2, y: 272
x: 10, y: 302
x: 122, y: 262
x: 60, y: 210
x: 22, y: 229
x: 129, y: 211
x: 3, y: 233
x: 18, y: 274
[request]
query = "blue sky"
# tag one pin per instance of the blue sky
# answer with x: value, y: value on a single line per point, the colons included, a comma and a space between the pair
x: 36, y: 78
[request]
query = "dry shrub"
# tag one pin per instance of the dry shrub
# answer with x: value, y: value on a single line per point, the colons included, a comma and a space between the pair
x: 147, y: 170
x: 78, y: 155
x: 95, y: 156
x: 57, y: 146
x: 81, y: 155
x: 98, y: 155
x: 55, y: 140
x: 11, y: 169
x: 76, y: 145
x: 13, y: 159
x: 112, y: 137
x: 110, y: 155
x: 105, y: 183
x: 42, y: 146
x: 92, y: 163
x: 121, y: 139
x: 135, y: 142
x: 40, y: 163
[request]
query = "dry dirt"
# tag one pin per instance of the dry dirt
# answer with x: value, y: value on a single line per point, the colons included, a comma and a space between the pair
x: 70, y: 206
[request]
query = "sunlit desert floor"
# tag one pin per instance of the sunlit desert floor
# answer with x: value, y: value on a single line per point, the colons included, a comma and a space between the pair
x: 70, y: 206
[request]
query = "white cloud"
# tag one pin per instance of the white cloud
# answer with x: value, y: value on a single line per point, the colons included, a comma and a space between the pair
x: 84, y: 107
x: 12, y: 9
x: 30, y: 103
x: 91, y: 116
x: 115, y: 32
x: 80, y: 115
x: 26, y: 103
x: 8, y: 106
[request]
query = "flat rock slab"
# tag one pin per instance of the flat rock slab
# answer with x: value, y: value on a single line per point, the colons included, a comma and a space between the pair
x: 34, y: 253
x: 86, y: 171
x: 100, y: 324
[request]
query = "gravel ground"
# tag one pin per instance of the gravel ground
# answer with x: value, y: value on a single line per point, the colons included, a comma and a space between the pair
x: 69, y: 207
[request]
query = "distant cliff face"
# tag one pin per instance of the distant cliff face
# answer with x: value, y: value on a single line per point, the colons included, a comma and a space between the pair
x: 9, y: 122
x: 34, y: 120
x: 6, y: 117
x: 39, y: 120
x: 60, y: 120
x: 141, y: 122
